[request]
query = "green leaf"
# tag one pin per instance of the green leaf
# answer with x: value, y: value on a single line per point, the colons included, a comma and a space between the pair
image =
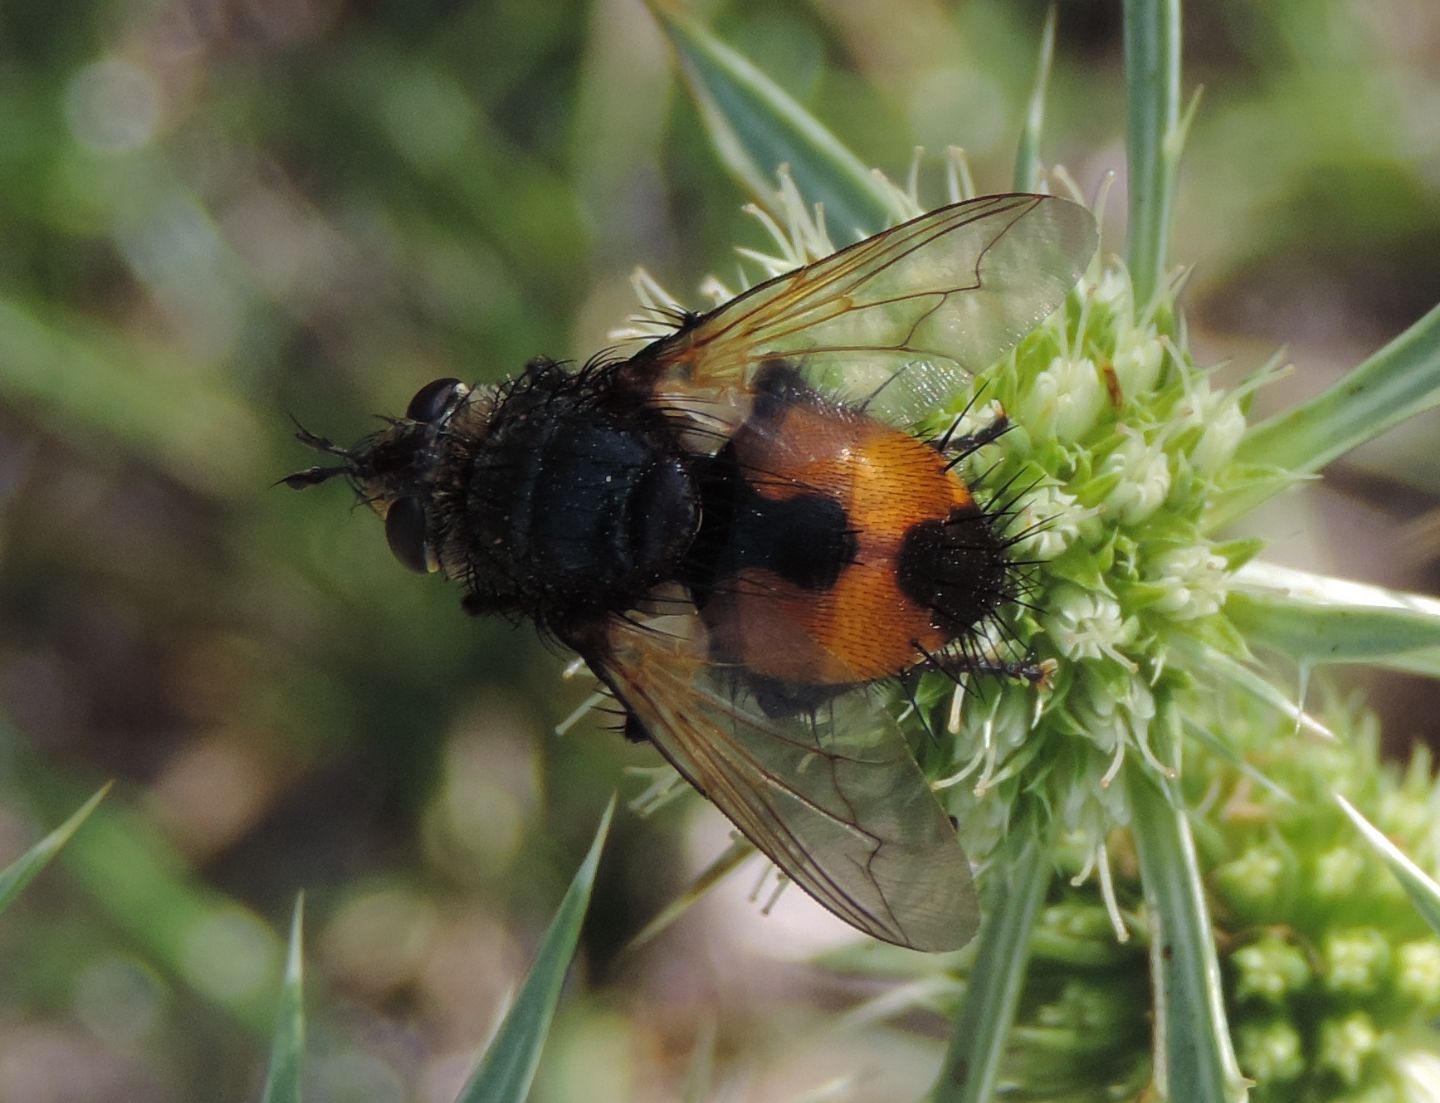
x: 1332, y: 633
x: 756, y: 127
x: 1317, y: 619
x: 1153, y: 135
x: 971, y: 1067
x: 1027, y: 155
x: 1425, y: 663
x: 509, y: 1065
x: 1194, y: 1059
x: 1397, y: 382
x: 23, y: 870
x: 1422, y: 889
x: 282, y: 1083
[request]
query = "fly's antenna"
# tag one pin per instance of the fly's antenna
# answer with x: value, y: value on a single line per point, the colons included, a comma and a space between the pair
x: 319, y: 443
x: 314, y: 476
x: 311, y: 476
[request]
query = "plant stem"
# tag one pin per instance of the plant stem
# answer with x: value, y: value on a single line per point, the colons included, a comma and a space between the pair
x: 1194, y: 1058
x: 972, y: 1061
x: 1153, y: 134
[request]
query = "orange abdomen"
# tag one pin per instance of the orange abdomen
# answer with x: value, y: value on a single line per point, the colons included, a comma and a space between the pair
x: 785, y: 611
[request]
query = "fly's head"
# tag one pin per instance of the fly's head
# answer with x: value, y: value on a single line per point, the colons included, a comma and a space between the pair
x: 402, y: 472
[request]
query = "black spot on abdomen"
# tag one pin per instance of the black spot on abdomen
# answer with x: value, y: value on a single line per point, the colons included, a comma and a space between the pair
x: 805, y: 540
x: 956, y: 568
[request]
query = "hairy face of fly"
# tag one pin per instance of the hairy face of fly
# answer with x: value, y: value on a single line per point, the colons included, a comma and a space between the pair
x: 400, y: 463
x: 394, y: 472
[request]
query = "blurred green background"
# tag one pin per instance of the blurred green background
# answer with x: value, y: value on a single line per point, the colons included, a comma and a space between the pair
x: 216, y: 214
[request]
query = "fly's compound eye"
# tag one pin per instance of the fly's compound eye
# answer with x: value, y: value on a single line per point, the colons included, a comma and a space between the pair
x: 433, y: 400
x: 405, y: 533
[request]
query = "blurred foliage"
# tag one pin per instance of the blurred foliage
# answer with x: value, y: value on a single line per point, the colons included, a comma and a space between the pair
x: 218, y: 213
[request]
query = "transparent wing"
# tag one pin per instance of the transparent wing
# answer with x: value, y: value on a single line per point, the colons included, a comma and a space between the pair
x: 899, y: 321
x: 834, y: 797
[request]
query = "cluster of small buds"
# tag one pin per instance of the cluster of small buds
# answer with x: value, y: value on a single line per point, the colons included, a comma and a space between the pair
x: 1128, y: 441
x: 1331, y: 979
x: 1334, y: 977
